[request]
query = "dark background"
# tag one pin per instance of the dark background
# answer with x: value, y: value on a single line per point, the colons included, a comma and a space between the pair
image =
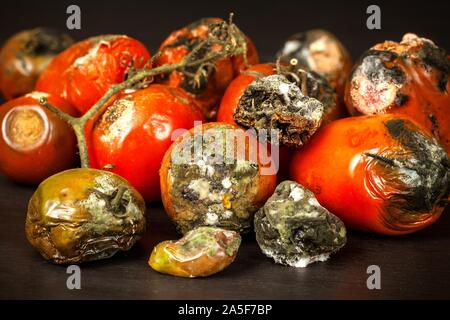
x: 413, y: 267
x: 267, y: 22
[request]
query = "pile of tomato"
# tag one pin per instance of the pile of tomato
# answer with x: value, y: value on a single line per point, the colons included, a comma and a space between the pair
x: 378, y: 157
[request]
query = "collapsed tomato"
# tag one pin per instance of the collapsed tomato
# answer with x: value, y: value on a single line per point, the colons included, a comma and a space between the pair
x: 380, y: 173
x: 205, y: 83
x: 25, y: 56
x: 218, y: 175
x: 202, y: 252
x: 34, y: 142
x: 135, y: 130
x: 409, y: 79
x: 84, y: 214
x: 237, y: 87
x: 230, y: 101
x: 82, y: 73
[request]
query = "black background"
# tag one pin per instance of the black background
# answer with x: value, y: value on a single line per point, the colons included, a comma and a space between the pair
x: 267, y: 22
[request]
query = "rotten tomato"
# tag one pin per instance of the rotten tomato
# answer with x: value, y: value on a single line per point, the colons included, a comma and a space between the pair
x: 34, y: 142
x: 218, y: 175
x: 134, y: 131
x: 25, y: 56
x: 83, y: 73
x: 206, y: 82
x: 408, y: 79
x: 381, y: 173
x: 84, y: 214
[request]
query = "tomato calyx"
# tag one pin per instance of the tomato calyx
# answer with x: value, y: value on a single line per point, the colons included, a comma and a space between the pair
x: 220, y: 34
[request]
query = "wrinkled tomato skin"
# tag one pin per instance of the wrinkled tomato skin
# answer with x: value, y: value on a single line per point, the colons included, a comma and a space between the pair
x: 236, y: 89
x: 178, y: 45
x: 230, y: 102
x: 25, y: 56
x: 132, y: 136
x: 331, y: 166
x: 84, y: 72
x: 53, y: 150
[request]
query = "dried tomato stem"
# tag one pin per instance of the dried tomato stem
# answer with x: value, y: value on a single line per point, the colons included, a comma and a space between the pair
x: 118, y: 197
x: 233, y: 45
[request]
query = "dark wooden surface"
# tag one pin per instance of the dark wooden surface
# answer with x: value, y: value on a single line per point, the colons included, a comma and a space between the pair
x: 412, y: 267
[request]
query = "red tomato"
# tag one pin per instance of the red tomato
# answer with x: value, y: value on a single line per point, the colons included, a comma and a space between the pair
x: 34, y: 142
x: 208, y: 88
x: 83, y: 73
x: 135, y: 130
x: 25, y: 56
x: 379, y: 173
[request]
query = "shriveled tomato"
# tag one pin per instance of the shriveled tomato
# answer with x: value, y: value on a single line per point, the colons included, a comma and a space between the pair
x: 230, y: 102
x: 237, y: 87
x: 34, y: 142
x: 82, y: 73
x: 379, y: 173
x: 84, y: 214
x: 25, y: 56
x: 135, y: 130
x: 408, y: 78
x: 205, y: 83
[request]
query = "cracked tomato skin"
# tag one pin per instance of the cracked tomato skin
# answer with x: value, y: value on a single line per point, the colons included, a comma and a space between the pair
x: 237, y: 87
x: 409, y: 78
x: 25, y: 56
x: 83, y: 73
x: 135, y: 130
x: 209, y: 89
x: 230, y: 102
x: 34, y: 142
x: 381, y: 174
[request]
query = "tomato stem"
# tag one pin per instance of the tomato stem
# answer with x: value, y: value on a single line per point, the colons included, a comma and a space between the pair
x: 115, y: 202
x: 232, y: 44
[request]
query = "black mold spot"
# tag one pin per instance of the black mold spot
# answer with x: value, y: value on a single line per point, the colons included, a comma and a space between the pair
x: 401, y: 99
x: 436, y: 58
x: 46, y: 41
x: 372, y: 65
x: 427, y: 159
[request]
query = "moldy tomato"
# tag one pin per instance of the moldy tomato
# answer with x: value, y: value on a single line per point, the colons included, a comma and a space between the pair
x: 218, y: 175
x: 408, y: 79
x: 84, y: 214
x: 237, y: 87
x: 380, y: 173
x: 34, y: 142
x: 25, y: 56
x: 202, y: 252
x: 135, y: 130
x: 83, y: 73
x: 208, y: 82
